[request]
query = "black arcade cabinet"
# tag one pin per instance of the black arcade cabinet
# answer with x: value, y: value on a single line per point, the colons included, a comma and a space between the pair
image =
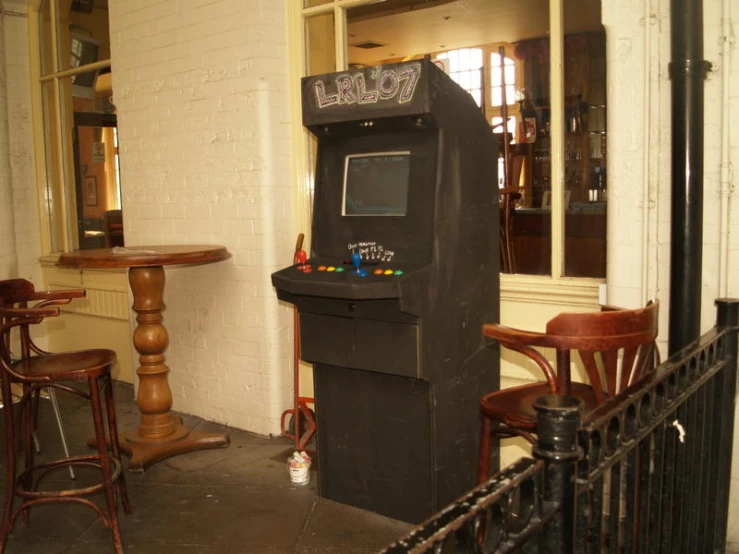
x: 402, y: 274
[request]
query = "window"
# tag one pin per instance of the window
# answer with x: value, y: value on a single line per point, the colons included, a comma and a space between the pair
x: 465, y: 67
x: 78, y: 167
x: 547, y: 58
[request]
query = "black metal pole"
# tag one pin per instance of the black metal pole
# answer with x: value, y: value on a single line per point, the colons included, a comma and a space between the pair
x: 687, y: 73
x: 727, y: 316
x: 558, y: 420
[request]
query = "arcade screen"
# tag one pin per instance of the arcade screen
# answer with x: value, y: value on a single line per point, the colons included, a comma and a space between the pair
x: 376, y: 184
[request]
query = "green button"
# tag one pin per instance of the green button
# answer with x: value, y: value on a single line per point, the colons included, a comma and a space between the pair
x: 398, y: 272
x: 339, y: 269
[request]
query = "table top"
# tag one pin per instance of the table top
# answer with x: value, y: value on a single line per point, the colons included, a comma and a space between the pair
x: 144, y: 256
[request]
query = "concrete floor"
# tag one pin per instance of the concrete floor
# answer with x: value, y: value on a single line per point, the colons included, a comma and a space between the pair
x: 233, y: 500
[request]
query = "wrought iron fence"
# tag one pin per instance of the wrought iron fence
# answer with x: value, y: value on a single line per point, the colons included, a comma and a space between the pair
x: 648, y: 471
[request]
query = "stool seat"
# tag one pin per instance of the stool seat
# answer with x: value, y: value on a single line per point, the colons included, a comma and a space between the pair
x: 78, y: 365
x: 514, y: 406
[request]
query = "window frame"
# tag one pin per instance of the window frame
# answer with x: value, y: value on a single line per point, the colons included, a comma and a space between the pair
x: 579, y: 285
x: 556, y: 288
x: 50, y: 148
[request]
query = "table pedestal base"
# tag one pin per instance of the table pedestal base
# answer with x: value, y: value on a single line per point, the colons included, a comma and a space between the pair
x: 145, y: 452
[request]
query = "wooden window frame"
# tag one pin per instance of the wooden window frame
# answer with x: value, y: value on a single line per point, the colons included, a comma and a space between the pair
x: 53, y: 147
x: 556, y: 288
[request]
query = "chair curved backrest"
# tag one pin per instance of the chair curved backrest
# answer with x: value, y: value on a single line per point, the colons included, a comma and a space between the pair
x: 616, y: 346
x: 11, y: 293
x: 18, y: 293
x: 14, y: 288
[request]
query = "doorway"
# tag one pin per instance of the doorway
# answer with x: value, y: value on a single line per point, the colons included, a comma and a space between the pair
x: 97, y: 180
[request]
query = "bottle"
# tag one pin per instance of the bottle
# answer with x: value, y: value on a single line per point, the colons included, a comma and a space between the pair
x: 594, y: 185
x: 602, y: 184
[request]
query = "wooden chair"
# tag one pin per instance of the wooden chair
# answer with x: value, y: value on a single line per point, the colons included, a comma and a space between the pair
x: 113, y: 228
x: 616, y: 347
x: 56, y: 372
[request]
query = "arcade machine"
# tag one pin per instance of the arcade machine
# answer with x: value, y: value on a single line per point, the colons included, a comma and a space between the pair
x: 402, y: 274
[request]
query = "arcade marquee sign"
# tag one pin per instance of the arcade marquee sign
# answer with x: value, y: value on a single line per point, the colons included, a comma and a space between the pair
x: 373, y: 85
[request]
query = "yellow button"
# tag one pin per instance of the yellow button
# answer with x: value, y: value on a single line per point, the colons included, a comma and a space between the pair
x: 388, y: 272
x: 330, y: 268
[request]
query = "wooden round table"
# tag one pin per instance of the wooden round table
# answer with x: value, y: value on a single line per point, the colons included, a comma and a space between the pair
x: 160, y: 434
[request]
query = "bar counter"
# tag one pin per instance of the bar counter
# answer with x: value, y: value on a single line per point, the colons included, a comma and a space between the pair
x: 585, y: 240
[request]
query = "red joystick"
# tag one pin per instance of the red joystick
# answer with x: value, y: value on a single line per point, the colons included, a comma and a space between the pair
x: 300, y: 258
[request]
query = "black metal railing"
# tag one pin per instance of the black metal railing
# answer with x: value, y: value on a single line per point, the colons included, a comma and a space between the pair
x: 648, y: 471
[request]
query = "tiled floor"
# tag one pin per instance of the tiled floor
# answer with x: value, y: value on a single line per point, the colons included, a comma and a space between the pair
x: 233, y: 500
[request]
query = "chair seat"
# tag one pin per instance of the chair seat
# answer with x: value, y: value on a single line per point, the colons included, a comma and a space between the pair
x: 68, y: 365
x: 514, y: 406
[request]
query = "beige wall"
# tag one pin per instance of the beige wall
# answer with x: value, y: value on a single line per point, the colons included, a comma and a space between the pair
x: 103, y: 319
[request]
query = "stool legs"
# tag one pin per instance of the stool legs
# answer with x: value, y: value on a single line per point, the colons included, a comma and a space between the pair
x: 60, y: 425
x: 10, y: 453
x: 486, y: 431
x: 113, y: 435
x: 112, y: 477
x: 28, y: 427
x: 106, y: 467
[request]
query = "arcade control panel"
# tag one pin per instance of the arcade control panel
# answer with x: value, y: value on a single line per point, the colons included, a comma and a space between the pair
x: 350, y: 278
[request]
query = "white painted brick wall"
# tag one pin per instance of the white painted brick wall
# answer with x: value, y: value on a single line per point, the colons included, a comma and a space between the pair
x: 632, y: 76
x: 19, y: 223
x: 201, y: 94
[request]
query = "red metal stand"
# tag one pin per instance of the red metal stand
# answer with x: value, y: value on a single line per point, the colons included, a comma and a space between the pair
x: 300, y: 406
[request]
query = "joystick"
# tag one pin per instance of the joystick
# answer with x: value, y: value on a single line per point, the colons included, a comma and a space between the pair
x: 357, y: 262
x: 300, y: 258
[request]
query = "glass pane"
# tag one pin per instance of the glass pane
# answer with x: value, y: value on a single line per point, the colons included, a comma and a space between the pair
x: 45, y: 27
x: 83, y: 33
x: 469, y: 40
x: 495, y: 76
x: 465, y: 78
x: 100, y: 222
x: 510, y: 72
x: 319, y: 46
x: 531, y: 155
x: 586, y: 188
x: 94, y: 165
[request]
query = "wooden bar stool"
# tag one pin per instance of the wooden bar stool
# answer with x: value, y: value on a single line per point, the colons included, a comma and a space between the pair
x: 616, y: 347
x: 57, y: 371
